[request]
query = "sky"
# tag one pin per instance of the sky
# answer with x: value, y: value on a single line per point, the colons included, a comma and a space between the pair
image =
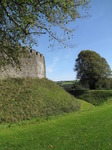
x: 91, y: 33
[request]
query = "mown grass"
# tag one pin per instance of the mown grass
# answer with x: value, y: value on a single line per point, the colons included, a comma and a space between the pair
x: 24, y: 99
x: 84, y: 130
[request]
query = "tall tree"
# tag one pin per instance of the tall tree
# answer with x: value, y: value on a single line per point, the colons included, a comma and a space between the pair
x: 91, y: 68
x: 22, y: 20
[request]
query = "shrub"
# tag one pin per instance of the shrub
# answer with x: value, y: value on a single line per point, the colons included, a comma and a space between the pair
x: 96, y: 97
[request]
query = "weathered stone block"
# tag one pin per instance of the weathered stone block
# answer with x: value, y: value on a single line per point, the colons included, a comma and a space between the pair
x: 32, y: 66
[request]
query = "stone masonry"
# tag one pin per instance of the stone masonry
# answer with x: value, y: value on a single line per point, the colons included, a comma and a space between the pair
x: 32, y: 66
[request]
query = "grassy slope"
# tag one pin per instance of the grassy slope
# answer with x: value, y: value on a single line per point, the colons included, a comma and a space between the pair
x: 95, y: 97
x: 85, y: 106
x: 22, y: 99
x: 85, y: 130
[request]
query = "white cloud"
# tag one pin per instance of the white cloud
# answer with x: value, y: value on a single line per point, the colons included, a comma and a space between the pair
x: 51, y: 67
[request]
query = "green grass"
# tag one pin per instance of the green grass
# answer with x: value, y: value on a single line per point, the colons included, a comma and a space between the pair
x: 83, y: 130
x: 24, y: 99
x: 50, y: 127
x: 85, y: 106
x: 95, y: 97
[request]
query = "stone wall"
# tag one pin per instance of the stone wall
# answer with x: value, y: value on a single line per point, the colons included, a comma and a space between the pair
x: 32, y: 66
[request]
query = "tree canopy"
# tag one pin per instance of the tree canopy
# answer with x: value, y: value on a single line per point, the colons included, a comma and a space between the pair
x: 22, y: 20
x: 91, y: 68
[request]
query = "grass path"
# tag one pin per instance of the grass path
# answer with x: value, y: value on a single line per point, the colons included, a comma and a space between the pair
x: 85, y: 130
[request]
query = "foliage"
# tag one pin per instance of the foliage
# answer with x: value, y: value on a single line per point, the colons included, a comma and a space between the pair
x: 110, y: 83
x: 104, y: 84
x: 87, y: 130
x: 78, y: 86
x: 91, y: 68
x: 72, y: 85
x: 24, y: 99
x: 67, y: 85
x: 22, y: 20
x: 95, y: 97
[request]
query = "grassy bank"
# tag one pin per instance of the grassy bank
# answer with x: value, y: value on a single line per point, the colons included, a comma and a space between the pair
x: 95, y: 97
x: 82, y: 130
x: 24, y: 99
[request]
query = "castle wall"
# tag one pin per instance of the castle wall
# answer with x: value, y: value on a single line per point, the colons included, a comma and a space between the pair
x: 32, y: 66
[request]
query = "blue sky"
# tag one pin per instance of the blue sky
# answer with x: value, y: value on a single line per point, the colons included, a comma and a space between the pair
x: 92, y: 33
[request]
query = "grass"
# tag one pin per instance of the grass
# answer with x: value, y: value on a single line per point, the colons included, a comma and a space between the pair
x: 83, y: 130
x: 51, y: 127
x: 95, y: 97
x: 25, y: 99
x: 85, y: 106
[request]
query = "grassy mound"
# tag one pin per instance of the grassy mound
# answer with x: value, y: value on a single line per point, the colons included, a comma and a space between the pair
x: 95, y: 97
x: 22, y: 99
x: 87, y: 130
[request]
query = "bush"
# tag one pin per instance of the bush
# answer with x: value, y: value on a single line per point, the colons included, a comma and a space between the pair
x: 95, y: 97
x: 79, y: 86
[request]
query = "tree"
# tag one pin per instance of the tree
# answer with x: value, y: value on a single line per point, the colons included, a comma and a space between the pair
x: 22, y: 20
x: 91, y: 68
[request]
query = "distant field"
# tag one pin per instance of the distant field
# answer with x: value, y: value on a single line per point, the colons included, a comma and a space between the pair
x: 88, y: 129
x: 67, y: 85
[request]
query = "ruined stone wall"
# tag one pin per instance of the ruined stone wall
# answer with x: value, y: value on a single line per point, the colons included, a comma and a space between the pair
x: 32, y: 66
